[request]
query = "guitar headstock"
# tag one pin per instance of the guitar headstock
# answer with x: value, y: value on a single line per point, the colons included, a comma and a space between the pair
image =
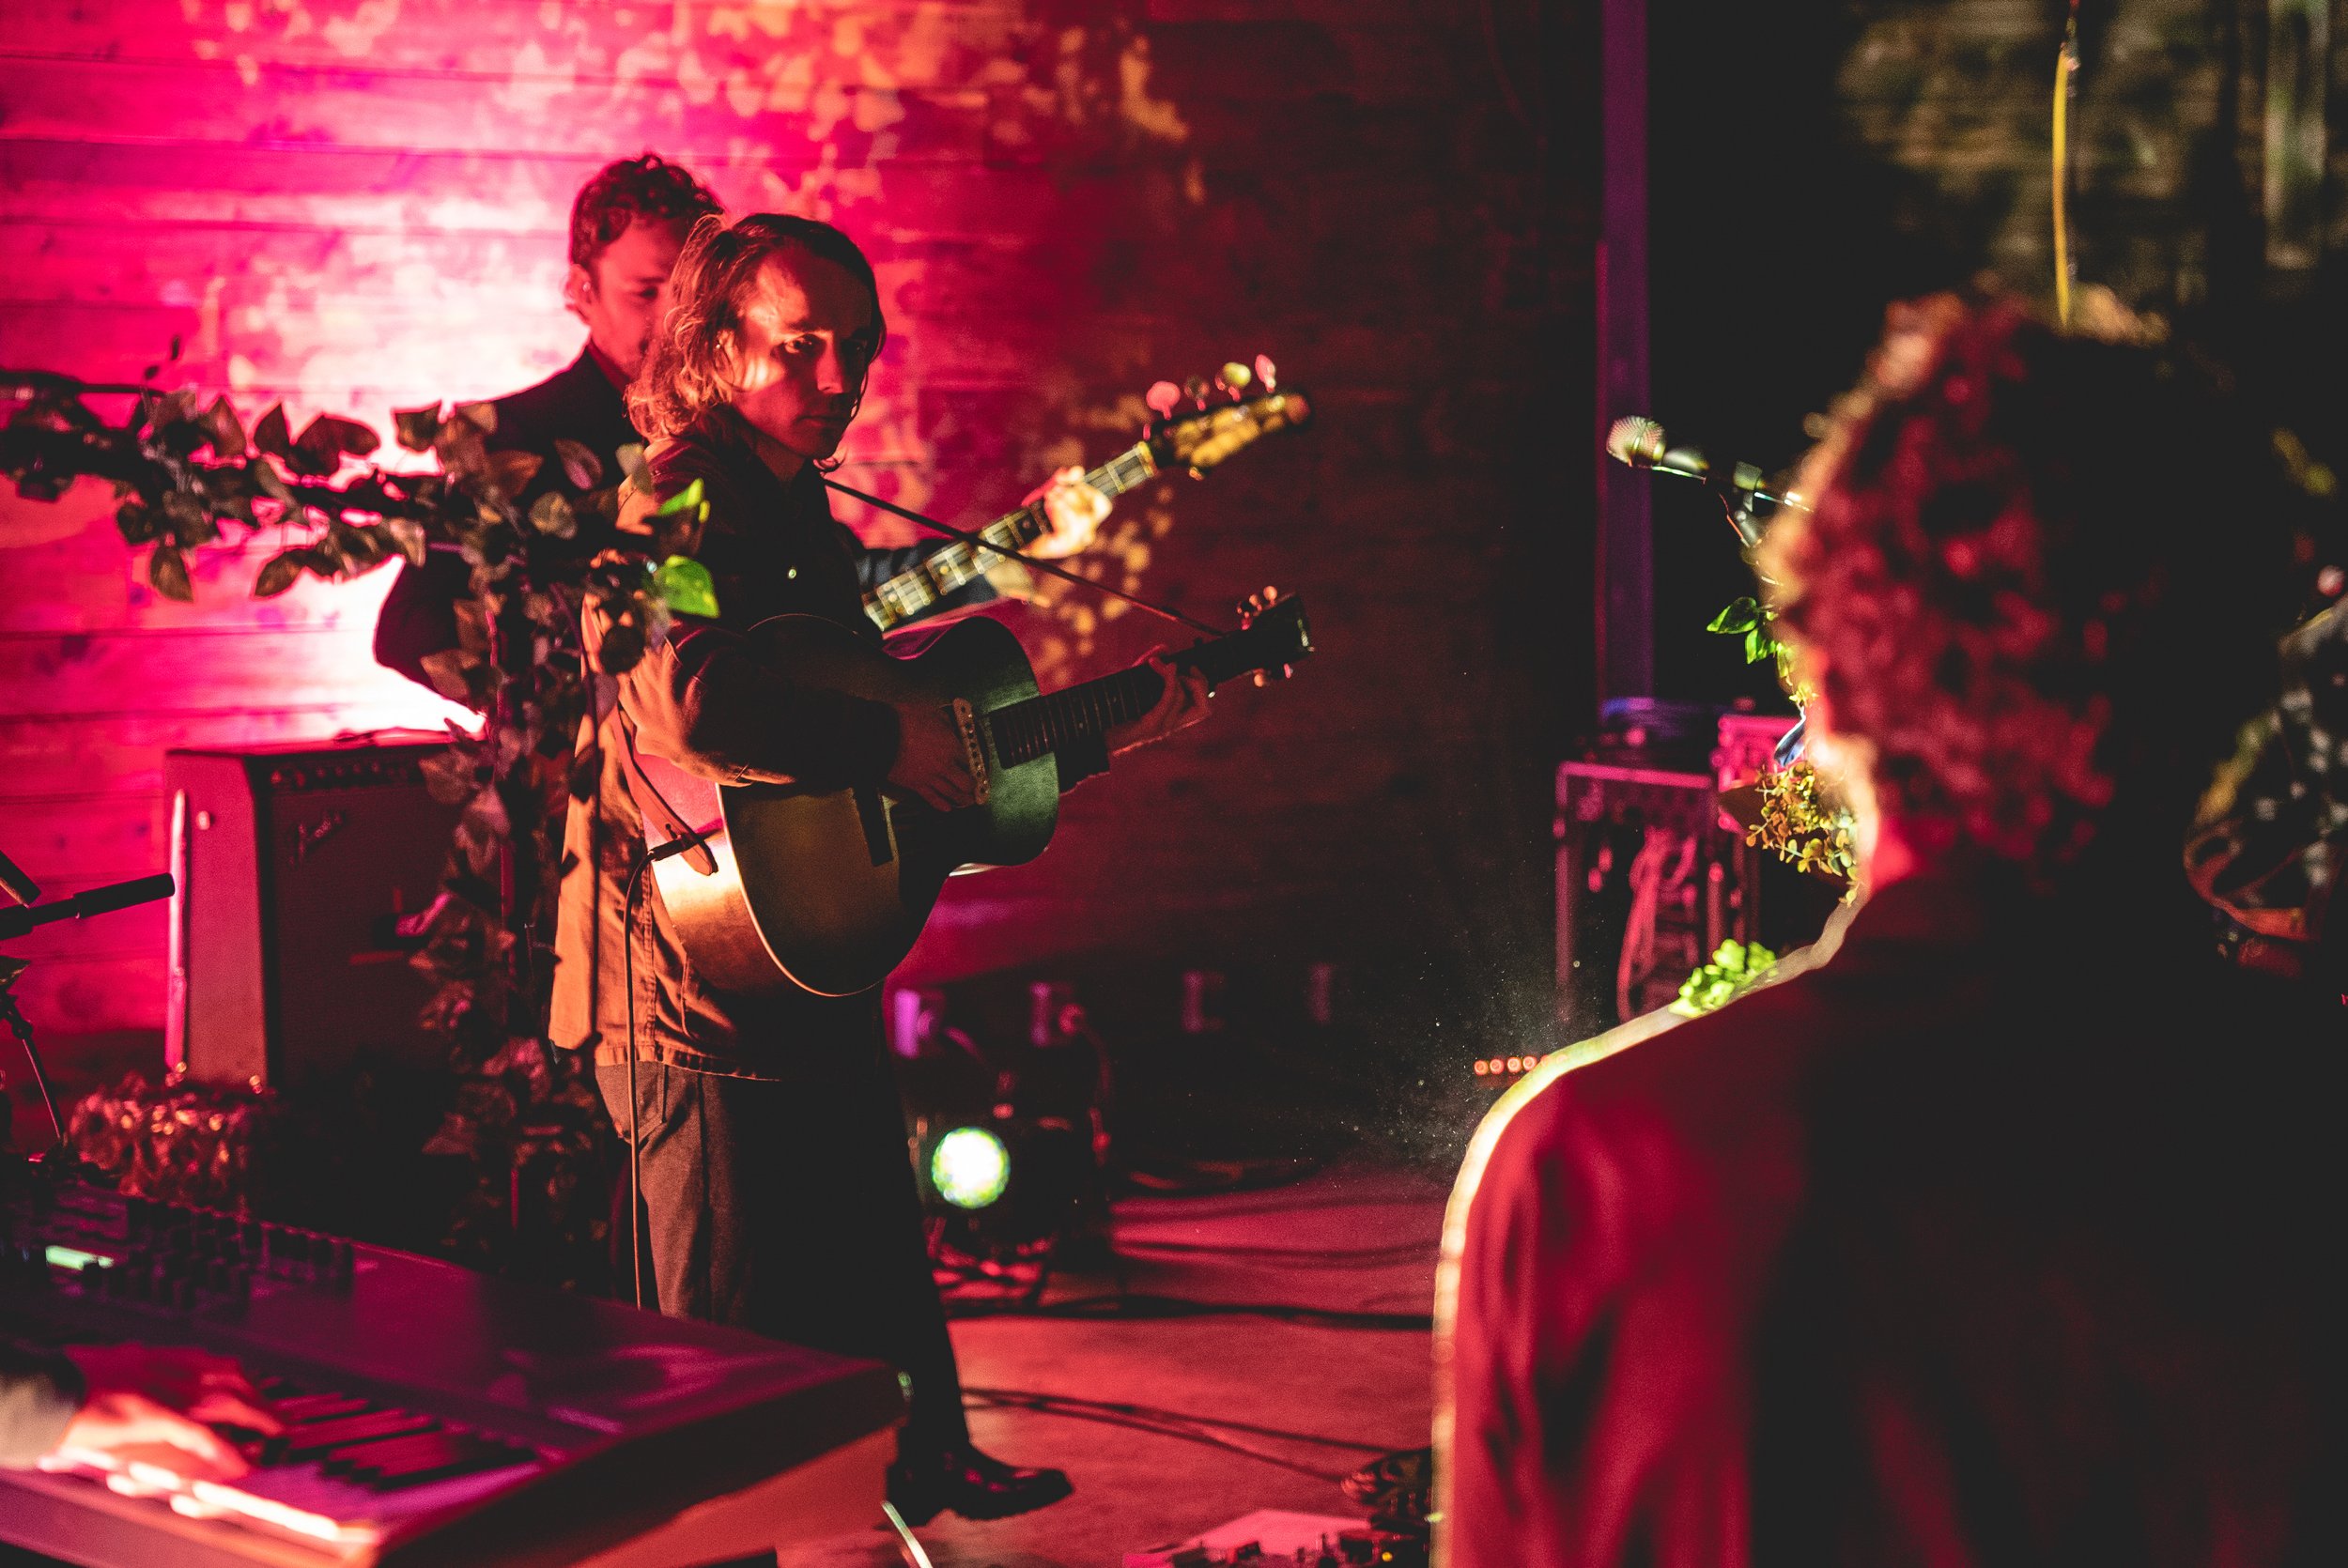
x: 1198, y: 425
x: 1273, y: 640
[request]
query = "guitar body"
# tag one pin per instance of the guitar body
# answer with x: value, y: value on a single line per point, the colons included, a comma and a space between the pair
x: 827, y: 889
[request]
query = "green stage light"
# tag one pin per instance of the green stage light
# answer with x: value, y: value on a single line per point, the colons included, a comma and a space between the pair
x: 971, y: 1167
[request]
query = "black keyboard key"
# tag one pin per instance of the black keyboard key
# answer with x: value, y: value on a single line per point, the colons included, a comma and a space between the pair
x: 361, y: 1462
x: 320, y: 1406
x: 462, y: 1459
x: 328, y: 1437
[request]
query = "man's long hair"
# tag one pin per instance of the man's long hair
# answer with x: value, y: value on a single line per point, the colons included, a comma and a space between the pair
x: 691, y: 367
x: 2043, y: 578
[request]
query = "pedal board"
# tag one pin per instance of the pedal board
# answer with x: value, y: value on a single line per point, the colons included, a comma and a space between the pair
x: 1275, y: 1538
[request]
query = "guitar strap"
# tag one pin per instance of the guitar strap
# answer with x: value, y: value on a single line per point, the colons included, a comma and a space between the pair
x: 663, y: 823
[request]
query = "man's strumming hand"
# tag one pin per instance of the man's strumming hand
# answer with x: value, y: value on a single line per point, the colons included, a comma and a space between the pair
x: 932, y: 766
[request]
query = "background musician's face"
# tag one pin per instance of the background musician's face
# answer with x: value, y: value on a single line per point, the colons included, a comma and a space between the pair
x: 809, y: 331
x: 618, y: 294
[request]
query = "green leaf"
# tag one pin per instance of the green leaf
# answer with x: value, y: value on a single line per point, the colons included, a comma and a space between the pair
x: 360, y: 548
x: 580, y: 466
x: 408, y: 535
x: 176, y: 408
x: 277, y: 574
x: 272, y: 435
x: 327, y: 438
x: 139, y: 523
x: 683, y: 585
x: 551, y: 514
x: 414, y: 429
x: 481, y: 416
x: 190, y: 522
x: 1741, y: 615
x: 686, y: 500
x: 267, y: 479
x: 168, y: 571
x: 222, y: 429
x: 632, y: 464
x: 623, y: 649
x: 509, y: 472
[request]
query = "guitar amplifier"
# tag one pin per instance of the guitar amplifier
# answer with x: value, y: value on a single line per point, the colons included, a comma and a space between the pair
x: 294, y: 863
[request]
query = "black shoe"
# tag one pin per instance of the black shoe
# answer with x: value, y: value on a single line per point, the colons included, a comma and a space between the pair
x: 973, y: 1485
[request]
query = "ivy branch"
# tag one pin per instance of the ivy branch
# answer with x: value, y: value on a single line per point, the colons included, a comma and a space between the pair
x: 1751, y: 618
x: 541, y: 544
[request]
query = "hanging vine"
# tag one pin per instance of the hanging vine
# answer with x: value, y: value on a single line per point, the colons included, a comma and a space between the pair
x: 187, y: 473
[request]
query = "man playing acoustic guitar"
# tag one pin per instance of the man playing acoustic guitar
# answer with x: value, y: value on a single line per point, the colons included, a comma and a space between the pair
x: 775, y: 1174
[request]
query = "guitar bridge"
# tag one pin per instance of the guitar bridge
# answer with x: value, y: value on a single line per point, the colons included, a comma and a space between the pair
x: 973, y: 746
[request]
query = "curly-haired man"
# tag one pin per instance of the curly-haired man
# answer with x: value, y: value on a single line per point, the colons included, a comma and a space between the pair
x: 1992, y: 1231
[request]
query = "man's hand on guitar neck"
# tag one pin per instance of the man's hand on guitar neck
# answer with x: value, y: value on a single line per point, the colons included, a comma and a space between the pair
x: 931, y: 764
x: 1182, y: 704
x: 1075, y: 511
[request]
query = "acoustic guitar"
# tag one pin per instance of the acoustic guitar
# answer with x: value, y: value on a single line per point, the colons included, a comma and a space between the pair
x: 781, y: 884
x: 1193, y: 428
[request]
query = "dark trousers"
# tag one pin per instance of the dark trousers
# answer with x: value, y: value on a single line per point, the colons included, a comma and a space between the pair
x: 789, y: 1208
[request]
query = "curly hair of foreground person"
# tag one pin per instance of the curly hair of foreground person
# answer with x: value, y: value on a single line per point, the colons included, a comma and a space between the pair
x: 2041, y: 584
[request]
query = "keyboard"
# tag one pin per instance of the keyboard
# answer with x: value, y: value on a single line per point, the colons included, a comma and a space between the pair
x: 433, y: 1416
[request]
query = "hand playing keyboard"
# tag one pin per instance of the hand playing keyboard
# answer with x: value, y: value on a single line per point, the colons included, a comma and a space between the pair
x: 150, y: 1404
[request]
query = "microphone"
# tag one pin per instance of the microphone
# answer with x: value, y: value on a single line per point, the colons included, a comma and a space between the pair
x: 1640, y: 442
x: 97, y: 900
x: 16, y: 884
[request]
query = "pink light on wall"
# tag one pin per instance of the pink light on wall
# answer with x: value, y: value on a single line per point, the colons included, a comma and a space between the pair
x: 355, y: 205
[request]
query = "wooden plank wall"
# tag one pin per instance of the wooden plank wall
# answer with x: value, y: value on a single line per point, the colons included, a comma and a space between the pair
x: 355, y: 205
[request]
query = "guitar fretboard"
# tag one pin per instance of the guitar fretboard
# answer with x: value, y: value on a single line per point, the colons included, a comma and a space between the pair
x: 1026, y: 730
x: 900, y: 598
x: 1023, y: 732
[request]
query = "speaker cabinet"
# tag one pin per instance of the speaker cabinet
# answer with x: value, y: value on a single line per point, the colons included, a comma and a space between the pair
x: 295, y: 862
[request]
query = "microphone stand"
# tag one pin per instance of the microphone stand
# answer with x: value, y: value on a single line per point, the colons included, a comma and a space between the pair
x: 17, y: 922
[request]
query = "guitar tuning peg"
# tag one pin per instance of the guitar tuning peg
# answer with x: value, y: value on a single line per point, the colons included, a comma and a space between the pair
x: 1268, y: 372
x: 1163, y: 397
x: 1236, y: 376
x: 1197, y: 390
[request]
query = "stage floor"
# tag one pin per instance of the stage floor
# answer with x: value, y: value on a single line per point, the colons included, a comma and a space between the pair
x: 1352, y: 1238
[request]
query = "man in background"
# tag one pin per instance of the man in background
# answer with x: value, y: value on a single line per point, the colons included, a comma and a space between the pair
x: 1993, y: 1231
x: 628, y: 224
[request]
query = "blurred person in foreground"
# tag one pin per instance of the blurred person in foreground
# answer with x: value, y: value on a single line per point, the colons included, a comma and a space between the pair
x: 1993, y: 1230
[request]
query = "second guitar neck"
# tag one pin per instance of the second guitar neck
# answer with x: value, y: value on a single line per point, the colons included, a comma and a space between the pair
x: 892, y: 603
